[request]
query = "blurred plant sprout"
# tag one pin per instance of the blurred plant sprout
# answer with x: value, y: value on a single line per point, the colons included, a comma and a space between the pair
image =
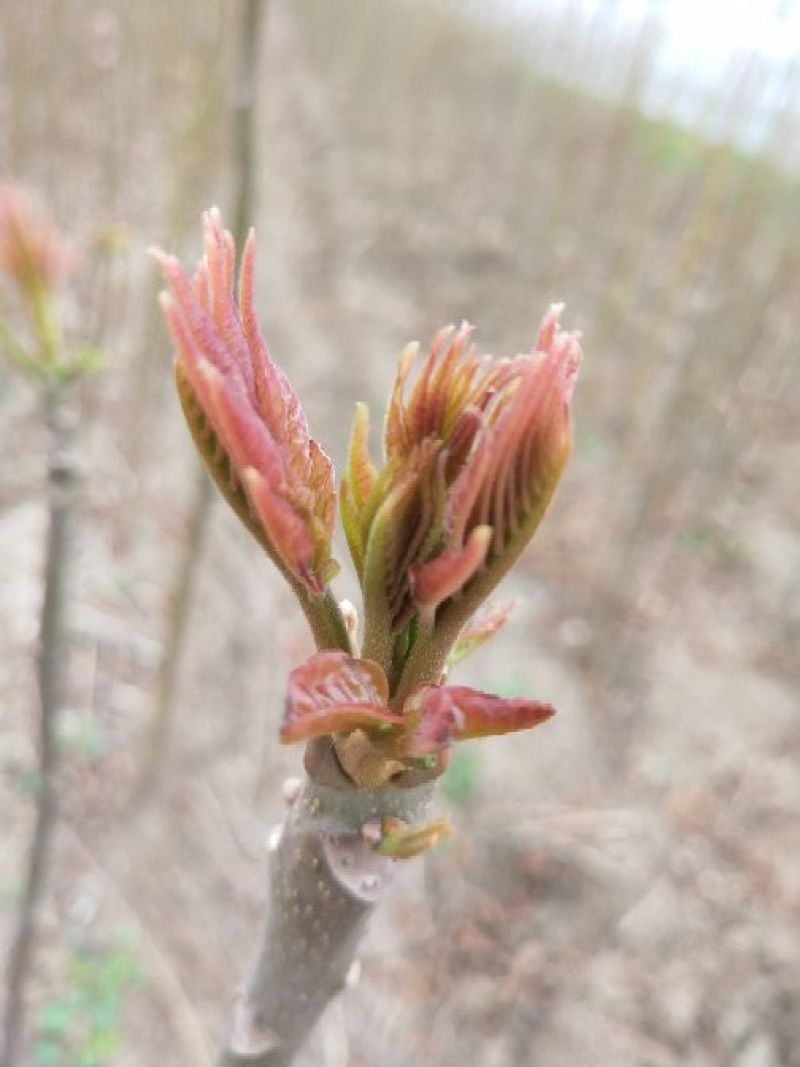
x: 472, y: 456
x: 36, y: 262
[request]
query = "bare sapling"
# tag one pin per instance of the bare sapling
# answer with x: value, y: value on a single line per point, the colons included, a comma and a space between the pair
x: 245, y: 98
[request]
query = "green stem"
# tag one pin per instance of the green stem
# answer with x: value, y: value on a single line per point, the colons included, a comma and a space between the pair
x: 46, y: 326
x: 324, y: 617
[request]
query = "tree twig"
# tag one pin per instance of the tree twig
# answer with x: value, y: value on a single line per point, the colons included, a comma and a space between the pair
x: 61, y: 477
x: 245, y: 97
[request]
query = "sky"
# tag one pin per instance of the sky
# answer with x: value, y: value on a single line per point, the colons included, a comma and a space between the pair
x: 707, y: 50
x: 714, y: 29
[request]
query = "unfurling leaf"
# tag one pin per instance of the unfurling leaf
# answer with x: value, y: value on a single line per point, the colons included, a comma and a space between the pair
x: 244, y: 415
x: 480, y: 628
x: 448, y: 713
x: 333, y: 692
x: 446, y: 574
x: 401, y: 841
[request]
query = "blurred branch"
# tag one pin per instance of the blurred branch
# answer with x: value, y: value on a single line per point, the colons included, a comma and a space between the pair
x: 244, y: 117
x: 244, y: 106
x: 157, y: 735
x: 61, y: 477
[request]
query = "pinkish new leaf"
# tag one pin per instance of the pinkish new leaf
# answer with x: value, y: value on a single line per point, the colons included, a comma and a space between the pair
x: 433, y: 582
x: 444, y: 714
x: 487, y: 441
x: 481, y: 628
x: 32, y: 252
x: 245, y: 418
x: 333, y: 692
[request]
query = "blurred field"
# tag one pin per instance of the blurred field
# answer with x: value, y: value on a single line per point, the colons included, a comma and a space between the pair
x: 624, y: 887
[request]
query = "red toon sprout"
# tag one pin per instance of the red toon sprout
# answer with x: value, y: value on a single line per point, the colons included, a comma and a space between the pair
x: 244, y: 415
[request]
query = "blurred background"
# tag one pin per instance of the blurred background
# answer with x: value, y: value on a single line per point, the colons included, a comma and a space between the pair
x: 624, y: 884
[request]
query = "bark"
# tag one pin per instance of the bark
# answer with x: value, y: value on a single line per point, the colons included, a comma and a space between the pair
x: 50, y: 676
x: 325, y: 883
